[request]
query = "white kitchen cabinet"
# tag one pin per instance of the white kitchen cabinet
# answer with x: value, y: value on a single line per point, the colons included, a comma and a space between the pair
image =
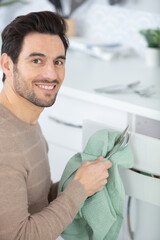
x: 62, y: 126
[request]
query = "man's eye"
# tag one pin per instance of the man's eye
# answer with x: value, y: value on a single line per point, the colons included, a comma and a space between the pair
x: 59, y: 62
x: 36, y: 61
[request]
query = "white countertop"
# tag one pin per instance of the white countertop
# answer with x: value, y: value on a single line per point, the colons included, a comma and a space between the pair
x: 85, y: 73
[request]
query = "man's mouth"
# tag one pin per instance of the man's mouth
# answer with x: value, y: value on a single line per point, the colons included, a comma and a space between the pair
x: 46, y: 87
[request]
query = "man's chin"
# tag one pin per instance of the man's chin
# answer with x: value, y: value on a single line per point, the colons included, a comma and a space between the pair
x: 43, y: 104
x: 49, y: 105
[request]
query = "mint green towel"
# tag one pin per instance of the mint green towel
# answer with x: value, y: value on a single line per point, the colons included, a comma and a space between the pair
x: 100, y: 216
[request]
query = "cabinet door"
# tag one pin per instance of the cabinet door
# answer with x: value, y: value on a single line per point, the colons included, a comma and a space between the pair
x: 58, y: 158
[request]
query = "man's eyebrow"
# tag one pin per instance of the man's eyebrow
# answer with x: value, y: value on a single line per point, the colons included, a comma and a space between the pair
x: 61, y: 57
x: 36, y: 54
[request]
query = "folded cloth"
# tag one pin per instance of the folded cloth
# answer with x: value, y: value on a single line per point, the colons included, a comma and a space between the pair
x: 100, y: 216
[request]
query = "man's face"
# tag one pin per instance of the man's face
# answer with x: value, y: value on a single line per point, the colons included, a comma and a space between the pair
x: 40, y: 69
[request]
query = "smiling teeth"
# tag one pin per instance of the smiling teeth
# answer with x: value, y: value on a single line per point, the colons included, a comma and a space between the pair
x: 46, y: 87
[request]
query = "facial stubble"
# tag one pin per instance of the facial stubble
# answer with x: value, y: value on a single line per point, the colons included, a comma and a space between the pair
x: 26, y: 90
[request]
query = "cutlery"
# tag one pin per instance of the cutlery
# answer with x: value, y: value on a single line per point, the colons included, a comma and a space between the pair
x: 118, y: 87
x: 120, y: 143
x: 145, y: 92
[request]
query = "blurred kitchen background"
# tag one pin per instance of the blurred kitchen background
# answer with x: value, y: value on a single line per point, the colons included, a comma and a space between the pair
x: 110, y: 81
x: 98, y: 21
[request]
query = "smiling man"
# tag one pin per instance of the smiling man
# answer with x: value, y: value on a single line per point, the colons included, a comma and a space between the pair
x: 40, y: 69
x: 33, y: 63
x: 36, y: 76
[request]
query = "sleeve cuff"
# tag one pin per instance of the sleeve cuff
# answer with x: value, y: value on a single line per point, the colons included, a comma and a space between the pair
x: 76, y: 191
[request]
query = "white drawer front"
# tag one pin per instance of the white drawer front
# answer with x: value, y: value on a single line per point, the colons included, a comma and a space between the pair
x: 71, y: 112
x: 141, y: 187
x: 75, y: 111
x: 60, y: 134
x: 146, y: 153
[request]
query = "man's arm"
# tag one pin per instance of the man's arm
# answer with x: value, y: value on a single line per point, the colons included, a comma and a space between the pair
x: 49, y: 223
x: 18, y: 223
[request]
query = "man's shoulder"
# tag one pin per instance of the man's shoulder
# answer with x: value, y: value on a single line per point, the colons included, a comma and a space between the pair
x: 8, y: 132
x: 9, y: 123
x: 8, y: 139
x: 11, y: 154
x: 6, y: 124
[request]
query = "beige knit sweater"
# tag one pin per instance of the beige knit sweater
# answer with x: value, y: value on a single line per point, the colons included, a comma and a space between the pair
x: 26, y: 188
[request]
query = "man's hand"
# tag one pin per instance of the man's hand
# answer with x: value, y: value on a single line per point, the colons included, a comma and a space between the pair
x: 93, y: 175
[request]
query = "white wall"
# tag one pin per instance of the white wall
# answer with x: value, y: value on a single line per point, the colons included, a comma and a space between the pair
x: 99, y: 22
x: 152, y: 6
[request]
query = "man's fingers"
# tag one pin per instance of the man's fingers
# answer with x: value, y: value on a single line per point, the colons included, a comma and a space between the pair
x: 93, y: 174
x: 108, y: 164
x: 100, y: 159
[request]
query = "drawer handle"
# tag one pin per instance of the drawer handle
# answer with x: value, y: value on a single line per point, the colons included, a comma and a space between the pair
x: 64, y: 123
x: 131, y: 232
x: 145, y: 173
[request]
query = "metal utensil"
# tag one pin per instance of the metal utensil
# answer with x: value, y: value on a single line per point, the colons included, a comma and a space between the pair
x: 118, y: 87
x: 145, y: 92
x: 121, y: 136
x: 120, y: 146
x: 121, y: 143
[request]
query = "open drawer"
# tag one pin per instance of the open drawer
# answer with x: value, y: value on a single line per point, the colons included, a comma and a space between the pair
x: 140, y: 186
x: 143, y: 181
x: 146, y: 153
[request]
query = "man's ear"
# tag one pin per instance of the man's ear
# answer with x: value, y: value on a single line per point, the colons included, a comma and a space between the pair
x: 6, y: 65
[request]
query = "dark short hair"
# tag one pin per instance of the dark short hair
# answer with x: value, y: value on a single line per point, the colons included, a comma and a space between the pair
x: 41, y: 22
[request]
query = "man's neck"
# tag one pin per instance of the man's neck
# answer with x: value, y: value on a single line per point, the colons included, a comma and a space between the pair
x: 20, y: 107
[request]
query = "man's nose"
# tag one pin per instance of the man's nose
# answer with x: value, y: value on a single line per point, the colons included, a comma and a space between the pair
x: 50, y: 72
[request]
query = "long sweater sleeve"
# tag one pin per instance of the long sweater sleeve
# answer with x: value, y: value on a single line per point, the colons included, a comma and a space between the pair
x: 16, y: 223
x: 25, y: 184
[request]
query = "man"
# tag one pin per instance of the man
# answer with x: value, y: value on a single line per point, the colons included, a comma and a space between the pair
x: 33, y: 62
